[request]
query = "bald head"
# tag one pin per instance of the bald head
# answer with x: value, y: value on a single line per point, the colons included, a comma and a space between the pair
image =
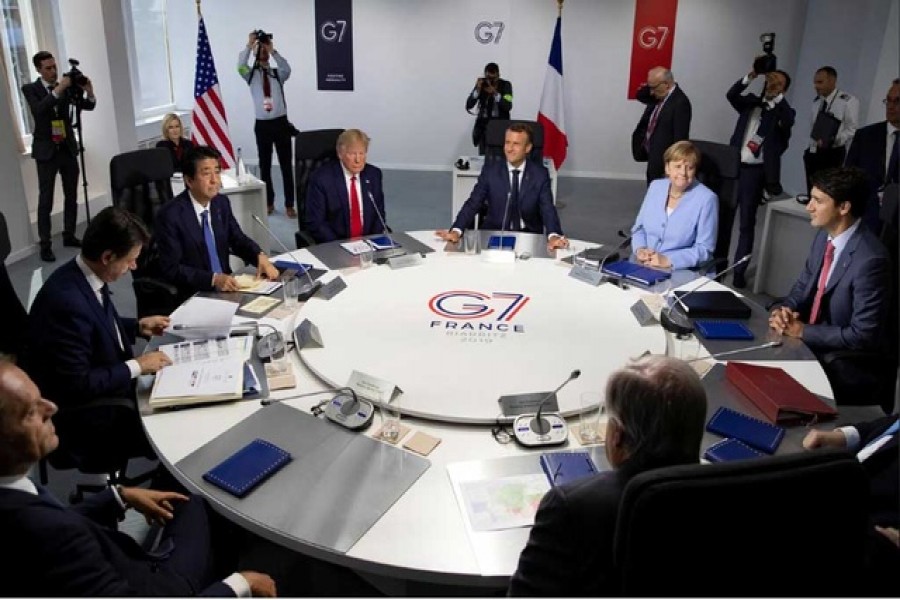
x: 660, y: 80
x: 26, y: 431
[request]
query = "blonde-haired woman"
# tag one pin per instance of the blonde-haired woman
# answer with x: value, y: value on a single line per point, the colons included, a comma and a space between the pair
x: 173, y: 140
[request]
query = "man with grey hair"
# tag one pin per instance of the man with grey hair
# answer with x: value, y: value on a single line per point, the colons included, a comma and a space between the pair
x: 657, y: 410
x: 666, y: 120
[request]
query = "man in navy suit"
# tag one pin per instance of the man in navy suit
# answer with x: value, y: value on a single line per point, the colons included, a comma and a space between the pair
x: 762, y: 133
x: 657, y: 411
x: 79, y: 349
x: 519, y: 186
x: 53, y: 145
x: 196, y: 232
x: 842, y: 298
x: 54, y: 550
x: 344, y: 199
x: 876, y: 150
x: 666, y: 120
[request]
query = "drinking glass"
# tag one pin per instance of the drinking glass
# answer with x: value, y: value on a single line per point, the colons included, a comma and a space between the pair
x: 390, y: 420
x: 592, y: 407
x: 290, y: 288
x: 366, y: 258
x: 470, y: 241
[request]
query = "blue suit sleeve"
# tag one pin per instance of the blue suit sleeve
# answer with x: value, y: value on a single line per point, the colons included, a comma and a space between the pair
x: 705, y: 238
x: 480, y: 194
x: 548, y: 211
x: 317, y: 209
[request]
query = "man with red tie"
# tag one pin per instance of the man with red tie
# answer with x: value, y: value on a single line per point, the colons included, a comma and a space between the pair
x: 842, y: 299
x: 344, y: 199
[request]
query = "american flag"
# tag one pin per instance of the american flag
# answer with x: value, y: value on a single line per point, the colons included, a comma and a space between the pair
x: 209, y: 125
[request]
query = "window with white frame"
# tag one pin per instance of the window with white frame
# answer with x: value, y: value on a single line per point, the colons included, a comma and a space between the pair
x: 19, y: 45
x: 149, y: 54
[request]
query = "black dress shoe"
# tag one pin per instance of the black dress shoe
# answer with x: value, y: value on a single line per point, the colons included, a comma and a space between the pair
x: 739, y: 281
x: 71, y: 241
x: 47, y: 255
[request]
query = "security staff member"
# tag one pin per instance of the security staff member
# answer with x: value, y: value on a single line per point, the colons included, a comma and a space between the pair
x: 831, y: 107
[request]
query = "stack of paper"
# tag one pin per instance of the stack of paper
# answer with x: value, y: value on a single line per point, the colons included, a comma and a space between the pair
x: 202, y: 318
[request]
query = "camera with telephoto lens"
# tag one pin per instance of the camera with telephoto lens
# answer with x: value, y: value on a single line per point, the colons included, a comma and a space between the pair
x: 76, y: 90
x: 767, y: 62
x: 262, y: 37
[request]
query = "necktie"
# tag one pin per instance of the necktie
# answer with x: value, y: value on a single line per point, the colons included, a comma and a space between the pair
x: 893, y: 170
x: 267, y: 86
x: 356, y: 225
x: 210, y: 240
x: 823, y: 105
x: 652, y: 125
x: 823, y: 280
x: 514, y: 202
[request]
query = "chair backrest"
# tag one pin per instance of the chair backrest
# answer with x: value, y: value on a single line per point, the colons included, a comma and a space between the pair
x: 778, y: 526
x: 141, y: 182
x: 495, y: 135
x: 15, y: 331
x: 720, y: 167
x: 311, y: 149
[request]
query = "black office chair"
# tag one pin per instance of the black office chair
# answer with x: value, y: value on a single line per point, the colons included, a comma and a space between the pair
x: 311, y: 149
x: 792, y: 525
x: 12, y: 342
x: 719, y: 169
x: 141, y: 182
x: 495, y: 136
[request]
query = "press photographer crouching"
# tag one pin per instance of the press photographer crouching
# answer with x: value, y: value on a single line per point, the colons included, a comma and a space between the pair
x: 55, y: 102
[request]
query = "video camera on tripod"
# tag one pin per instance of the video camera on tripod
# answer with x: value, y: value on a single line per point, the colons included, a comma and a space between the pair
x: 75, y: 91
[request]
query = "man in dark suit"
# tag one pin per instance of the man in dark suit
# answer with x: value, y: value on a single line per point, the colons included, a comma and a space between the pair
x: 196, y: 232
x: 666, y: 120
x: 842, y: 298
x: 493, y: 96
x: 876, y: 150
x: 762, y: 133
x: 517, y: 185
x: 53, y: 144
x: 79, y: 348
x: 657, y: 411
x: 54, y: 550
x: 344, y: 199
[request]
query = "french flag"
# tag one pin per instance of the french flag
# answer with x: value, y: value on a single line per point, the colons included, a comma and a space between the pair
x: 551, y: 115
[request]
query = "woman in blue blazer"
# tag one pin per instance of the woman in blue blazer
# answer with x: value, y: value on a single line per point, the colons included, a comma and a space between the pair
x: 676, y: 226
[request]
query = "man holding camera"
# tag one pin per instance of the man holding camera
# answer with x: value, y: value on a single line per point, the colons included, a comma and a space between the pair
x: 53, y: 147
x: 835, y: 116
x: 272, y: 126
x: 494, y: 98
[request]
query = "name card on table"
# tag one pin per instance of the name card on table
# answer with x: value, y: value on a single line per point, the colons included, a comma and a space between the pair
x: 407, y: 260
x: 586, y: 274
x: 373, y: 388
x: 307, y: 335
x: 332, y: 288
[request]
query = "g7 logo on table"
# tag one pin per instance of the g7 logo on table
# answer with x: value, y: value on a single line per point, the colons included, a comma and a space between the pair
x: 493, y: 312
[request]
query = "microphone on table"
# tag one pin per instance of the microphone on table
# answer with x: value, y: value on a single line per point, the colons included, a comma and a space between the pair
x: 622, y: 244
x: 772, y: 344
x: 345, y: 409
x: 392, y: 251
x: 539, y: 431
x: 311, y: 286
x: 678, y: 323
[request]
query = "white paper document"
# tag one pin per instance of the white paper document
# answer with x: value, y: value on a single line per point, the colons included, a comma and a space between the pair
x: 193, y: 382
x: 207, y: 350
x: 202, y: 318
x: 503, y: 503
x: 357, y: 247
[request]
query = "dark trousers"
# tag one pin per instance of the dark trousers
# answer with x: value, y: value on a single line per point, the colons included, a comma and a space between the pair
x: 820, y: 160
x: 750, y: 188
x: 64, y: 163
x: 275, y: 132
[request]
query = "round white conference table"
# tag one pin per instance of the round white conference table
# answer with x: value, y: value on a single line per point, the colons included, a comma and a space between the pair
x: 454, y: 334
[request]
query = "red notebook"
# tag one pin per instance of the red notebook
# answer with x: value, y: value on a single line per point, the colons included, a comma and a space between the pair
x: 780, y: 397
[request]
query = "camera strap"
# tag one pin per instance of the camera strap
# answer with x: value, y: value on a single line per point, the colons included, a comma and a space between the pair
x: 257, y: 67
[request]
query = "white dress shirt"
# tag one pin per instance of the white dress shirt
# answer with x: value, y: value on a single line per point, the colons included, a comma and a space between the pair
x: 842, y: 106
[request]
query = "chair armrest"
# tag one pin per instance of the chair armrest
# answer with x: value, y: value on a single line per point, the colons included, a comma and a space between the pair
x: 151, y: 283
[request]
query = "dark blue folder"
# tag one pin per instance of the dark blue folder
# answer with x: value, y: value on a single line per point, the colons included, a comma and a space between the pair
x: 383, y: 242
x: 248, y: 467
x: 730, y: 449
x: 760, y: 434
x: 506, y: 242
x: 625, y: 269
x: 723, y: 330
x: 284, y: 265
x: 565, y: 467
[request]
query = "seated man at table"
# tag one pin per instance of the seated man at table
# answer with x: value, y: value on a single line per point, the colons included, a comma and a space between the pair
x: 79, y: 348
x: 841, y: 300
x: 196, y: 232
x: 344, y: 199
x: 657, y: 411
x: 55, y: 550
x: 519, y: 187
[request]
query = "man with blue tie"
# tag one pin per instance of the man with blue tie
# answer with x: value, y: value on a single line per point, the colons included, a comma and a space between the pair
x: 842, y: 298
x: 79, y: 348
x: 196, y: 232
x: 519, y: 187
x: 344, y: 199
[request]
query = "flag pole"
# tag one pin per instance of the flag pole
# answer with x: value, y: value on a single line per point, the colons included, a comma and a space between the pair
x: 198, y: 7
x: 558, y: 3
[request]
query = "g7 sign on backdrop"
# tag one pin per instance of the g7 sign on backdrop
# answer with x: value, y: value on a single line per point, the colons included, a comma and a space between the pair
x: 334, y: 44
x: 652, y: 39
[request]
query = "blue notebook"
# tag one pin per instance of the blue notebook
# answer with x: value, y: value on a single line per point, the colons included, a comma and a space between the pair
x: 284, y: 265
x: 730, y: 449
x: 625, y: 269
x: 760, y: 434
x: 248, y: 467
x: 565, y: 467
x: 383, y: 242
x: 508, y: 242
x: 723, y: 330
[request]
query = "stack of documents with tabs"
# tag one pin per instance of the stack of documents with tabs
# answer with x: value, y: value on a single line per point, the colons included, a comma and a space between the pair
x: 202, y: 371
x: 201, y: 318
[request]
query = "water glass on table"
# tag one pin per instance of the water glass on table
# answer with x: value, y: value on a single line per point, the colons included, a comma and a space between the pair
x: 592, y: 408
x: 366, y: 258
x: 470, y: 241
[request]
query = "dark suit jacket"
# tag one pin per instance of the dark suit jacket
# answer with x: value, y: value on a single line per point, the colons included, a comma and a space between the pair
x: 774, y: 127
x: 328, y: 202
x: 856, y: 301
x: 183, y: 259
x: 42, y: 104
x: 485, y: 104
x: 491, y: 190
x: 570, y: 549
x: 672, y: 125
x: 73, y: 352
x: 882, y: 469
x: 64, y: 551
x: 867, y: 151
x: 185, y: 145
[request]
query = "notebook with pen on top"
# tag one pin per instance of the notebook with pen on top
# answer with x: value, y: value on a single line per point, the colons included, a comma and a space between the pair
x: 506, y: 242
x: 565, y: 467
x: 757, y: 433
x: 383, y: 242
x: 624, y: 269
x: 714, y: 304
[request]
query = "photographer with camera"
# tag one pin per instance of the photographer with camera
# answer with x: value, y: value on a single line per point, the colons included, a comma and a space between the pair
x: 272, y: 126
x: 494, y: 98
x: 52, y: 99
x: 762, y: 133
